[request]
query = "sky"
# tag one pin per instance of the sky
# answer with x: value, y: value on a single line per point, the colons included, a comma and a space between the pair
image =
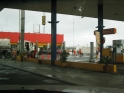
x: 76, y: 30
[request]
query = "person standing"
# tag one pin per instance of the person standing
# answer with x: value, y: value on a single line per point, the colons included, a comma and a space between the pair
x: 74, y: 52
x: 58, y: 54
x: 27, y: 47
x: 80, y: 52
x: 35, y: 51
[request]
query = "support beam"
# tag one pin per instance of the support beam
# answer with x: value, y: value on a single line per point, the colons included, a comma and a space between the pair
x: 91, y: 51
x: 22, y: 30
x: 100, y: 26
x: 36, y: 46
x: 53, y: 31
x: 19, y: 29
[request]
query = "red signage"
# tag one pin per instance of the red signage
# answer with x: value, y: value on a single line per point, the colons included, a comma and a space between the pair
x: 108, y: 31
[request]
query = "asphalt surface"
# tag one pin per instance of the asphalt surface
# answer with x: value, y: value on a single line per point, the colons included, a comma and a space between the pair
x: 76, y: 76
x: 11, y: 76
x: 16, y: 79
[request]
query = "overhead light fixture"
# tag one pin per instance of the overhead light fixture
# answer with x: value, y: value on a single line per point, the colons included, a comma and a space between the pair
x: 80, y: 9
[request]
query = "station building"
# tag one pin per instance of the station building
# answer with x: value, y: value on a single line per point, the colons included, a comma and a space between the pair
x: 43, y: 39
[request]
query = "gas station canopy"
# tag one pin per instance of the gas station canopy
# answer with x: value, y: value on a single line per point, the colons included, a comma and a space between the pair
x: 113, y: 9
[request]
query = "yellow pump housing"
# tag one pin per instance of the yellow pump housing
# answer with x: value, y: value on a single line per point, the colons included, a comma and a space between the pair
x: 106, y: 52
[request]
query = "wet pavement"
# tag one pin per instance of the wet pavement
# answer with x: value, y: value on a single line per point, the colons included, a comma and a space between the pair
x: 77, y: 58
x: 11, y: 76
x: 72, y: 75
x: 84, y: 58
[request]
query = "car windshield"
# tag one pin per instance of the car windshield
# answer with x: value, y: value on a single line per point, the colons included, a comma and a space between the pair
x: 62, y: 45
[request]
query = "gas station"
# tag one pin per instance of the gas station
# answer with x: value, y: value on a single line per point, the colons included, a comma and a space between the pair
x: 14, y: 38
x: 83, y: 72
x: 100, y: 9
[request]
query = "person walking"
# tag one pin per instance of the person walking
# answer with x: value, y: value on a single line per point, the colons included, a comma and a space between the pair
x: 14, y: 54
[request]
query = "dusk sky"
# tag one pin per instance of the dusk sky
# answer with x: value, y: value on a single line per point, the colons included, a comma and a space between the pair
x: 83, y: 28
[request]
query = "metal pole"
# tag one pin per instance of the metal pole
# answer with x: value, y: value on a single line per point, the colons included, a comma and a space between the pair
x: 6, y: 24
x: 53, y: 31
x: 100, y: 26
x: 37, y: 45
x: 19, y: 30
x: 73, y: 33
x: 19, y: 21
x: 33, y: 28
x: 36, y: 48
x: 91, y: 50
x: 44, y: 25
x: 39, y: 28
x: 22, y: 30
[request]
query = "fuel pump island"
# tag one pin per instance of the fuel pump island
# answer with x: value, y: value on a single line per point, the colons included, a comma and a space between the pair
x: 116, y: 51
x: 119, y: 50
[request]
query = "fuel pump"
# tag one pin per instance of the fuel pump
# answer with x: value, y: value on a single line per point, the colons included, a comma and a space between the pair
x: 118, y: 47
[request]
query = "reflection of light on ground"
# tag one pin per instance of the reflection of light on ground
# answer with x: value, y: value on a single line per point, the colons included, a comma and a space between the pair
x: 49, y: 75
x: 4, y: 78
x: 76, y: 91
